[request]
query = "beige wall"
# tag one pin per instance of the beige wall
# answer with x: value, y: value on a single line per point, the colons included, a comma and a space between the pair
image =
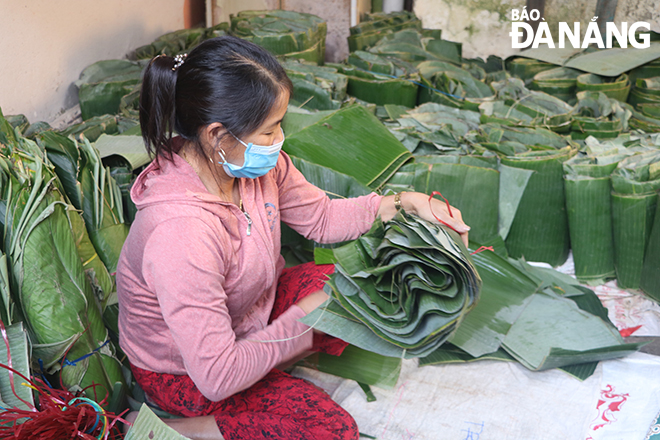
x: 45, y: 44
x: 483, y: 26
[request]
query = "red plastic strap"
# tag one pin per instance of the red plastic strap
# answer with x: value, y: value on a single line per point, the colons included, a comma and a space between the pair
x: 483, y: 248
x: 3, y: 330
x: 437, y: 193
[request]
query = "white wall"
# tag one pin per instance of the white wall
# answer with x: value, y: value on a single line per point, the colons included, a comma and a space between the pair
x: 45, y: 44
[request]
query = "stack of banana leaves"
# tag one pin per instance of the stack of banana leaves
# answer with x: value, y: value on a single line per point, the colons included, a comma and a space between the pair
x: 646, y: 92
x: 179, y: 42
x: 635, y: 186
x: 284, y: 33
x: 375, y: 26
x: 560, y: 82
x: 599, y: 116
x: 615, y: 88
x: 50, y: 291
x: 527, y: 68
x: 316, y: 87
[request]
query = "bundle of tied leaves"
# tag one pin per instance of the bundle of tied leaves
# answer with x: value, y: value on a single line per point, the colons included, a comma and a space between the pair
x: 400, y: 290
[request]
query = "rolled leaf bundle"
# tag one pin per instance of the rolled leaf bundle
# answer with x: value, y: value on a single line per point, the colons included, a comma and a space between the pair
x: 648, y: 70
x: 375, y: 26
x: 650, y: 280
x: 559, y: 82
x: 410, y: 45
x: 102, y: 85
x: 615, y: 88
x: 337, y: 142
x: 400, y: 290
x: 539, y: 229
x: 635, y: 184
x: 647, y: 91
x: 587, y: 186
x: 47, y: 276
x: 294, y: 34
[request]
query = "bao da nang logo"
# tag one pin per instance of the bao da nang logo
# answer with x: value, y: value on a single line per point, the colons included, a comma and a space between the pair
x: 571, y: 37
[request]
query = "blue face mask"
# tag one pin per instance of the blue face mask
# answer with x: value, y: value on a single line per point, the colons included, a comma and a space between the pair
x: 257, y: 160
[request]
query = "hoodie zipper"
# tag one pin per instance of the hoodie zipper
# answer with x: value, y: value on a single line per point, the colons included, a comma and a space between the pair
x: 247, y: 216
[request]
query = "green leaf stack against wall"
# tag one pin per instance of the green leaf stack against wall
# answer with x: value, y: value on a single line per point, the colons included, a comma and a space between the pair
x: 316, y: 87
x: 635, y: 186
x: 647, y: 91
x: 560, y: 82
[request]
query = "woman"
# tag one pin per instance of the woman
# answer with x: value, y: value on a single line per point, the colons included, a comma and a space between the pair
x: 202, y: 319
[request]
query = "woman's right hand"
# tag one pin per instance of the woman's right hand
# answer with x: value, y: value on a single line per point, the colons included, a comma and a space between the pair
x: 312, y: 301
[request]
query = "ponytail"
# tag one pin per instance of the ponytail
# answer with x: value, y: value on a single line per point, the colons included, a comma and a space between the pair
x: 157, y: 105
x: 224, y: 79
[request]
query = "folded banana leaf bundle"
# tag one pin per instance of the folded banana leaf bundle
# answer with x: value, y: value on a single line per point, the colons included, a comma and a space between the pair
x: 103, y: 84
x: 646, y: 91
x: 336, y: 142
x: 47, y: 278
x: 317, y: 87
x: 650, y: 280
x: 635, y: 186
x: 559, y: 82
x: 284, y: 33
x: 615, y: 88
x: 400, y: 290
x: 377, y: 63
x: 599, y: 116
x: 91, y: 188
x: 539, y: 229
x: 375, y: 26
x: 587, y: 186
x: 93, y: 128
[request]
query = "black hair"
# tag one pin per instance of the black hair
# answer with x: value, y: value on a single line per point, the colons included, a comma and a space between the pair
x: 224, y: 79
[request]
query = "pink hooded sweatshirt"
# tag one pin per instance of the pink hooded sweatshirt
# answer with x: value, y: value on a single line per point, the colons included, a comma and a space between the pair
x: 196, y: 283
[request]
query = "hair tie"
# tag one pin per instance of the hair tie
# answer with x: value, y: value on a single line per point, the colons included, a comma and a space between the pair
x: 178, y: 60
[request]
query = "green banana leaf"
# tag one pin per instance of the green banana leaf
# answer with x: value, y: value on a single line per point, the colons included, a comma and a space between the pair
x: 336, y: 142
x: 174, y: 43
x: 646, y: 91
x: 648, y: 70
x: 400, y: 290
x: 56, y: 298
x: 19, y: 122
x: 6, y: 302
x: 472, y: 188
x: 102, y: 85
x: 13, y: 394
x: 148, y: 425
x: 650, y: 280
x: 93, y: 128
x: 297, y: 118
x: 599, y: 116
x: 587, y: 187
x: 334, y: 183
x: 327, y: 78
x: 635, y: 184
x: 359, y: 365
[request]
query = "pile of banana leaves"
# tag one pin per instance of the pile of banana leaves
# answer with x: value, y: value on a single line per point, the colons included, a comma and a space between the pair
x: 375, y: 26
x: 50, y: 291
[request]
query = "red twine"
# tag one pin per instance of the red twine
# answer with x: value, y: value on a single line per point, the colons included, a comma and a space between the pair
x: 483, y: 248
x: 437, y: 193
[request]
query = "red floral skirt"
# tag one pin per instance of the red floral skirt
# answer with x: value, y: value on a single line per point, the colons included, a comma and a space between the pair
x: 278, y: 406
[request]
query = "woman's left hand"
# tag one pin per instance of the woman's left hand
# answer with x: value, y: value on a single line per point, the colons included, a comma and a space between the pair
x: 418, y: 203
